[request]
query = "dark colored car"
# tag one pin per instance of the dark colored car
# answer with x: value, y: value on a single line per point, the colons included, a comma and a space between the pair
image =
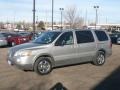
x: 115, y: 38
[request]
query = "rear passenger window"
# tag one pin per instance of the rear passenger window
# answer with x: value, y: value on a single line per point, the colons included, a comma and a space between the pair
x: 101, y: 35
x: 84, y: 37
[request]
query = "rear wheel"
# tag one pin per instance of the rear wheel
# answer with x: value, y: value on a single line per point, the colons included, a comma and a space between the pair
x: 43, y: 66
x: 100, y: 58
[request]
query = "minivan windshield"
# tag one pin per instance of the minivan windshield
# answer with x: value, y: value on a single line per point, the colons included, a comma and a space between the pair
x: 47, y: 37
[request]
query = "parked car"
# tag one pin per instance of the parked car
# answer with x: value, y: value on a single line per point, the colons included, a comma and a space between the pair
x: 115, y: 38
x: 3, y: 41
x: 16, y: 39
x: 118, y: 40
x: 59, y: 48
x: 13, y: 39
x: 28, y: 35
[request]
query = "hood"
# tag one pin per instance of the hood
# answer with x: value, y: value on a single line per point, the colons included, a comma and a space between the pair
x: 30, y: 45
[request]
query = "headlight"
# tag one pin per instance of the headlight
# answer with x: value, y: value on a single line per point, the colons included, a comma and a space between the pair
x: 23, y: 53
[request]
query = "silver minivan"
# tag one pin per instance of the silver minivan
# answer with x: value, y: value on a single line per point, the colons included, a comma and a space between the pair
x: 60, y: 48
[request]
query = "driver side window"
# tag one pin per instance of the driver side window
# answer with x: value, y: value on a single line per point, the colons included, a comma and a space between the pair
x: 65, y: 39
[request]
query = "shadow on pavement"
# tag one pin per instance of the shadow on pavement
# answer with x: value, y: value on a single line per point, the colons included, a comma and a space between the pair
x: 58, y: 86
x: 112, y: 82
x: 4, y: 46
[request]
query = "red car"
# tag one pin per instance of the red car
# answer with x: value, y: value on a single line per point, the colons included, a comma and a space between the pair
x: 28, y: 35
x: 16, y: 39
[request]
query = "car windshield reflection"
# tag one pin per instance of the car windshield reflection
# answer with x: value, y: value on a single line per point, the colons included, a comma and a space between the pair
x: 47, y: 37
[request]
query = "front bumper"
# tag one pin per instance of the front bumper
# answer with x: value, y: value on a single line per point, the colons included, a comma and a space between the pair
x: 24, y: 63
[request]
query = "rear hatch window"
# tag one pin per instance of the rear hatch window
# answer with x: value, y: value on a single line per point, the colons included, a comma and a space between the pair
x: 101, y: 35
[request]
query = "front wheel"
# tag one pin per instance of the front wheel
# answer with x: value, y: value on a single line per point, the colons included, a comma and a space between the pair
x: 43, y: 66
x: 100, y: 59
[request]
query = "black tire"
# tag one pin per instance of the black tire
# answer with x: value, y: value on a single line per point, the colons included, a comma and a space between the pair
x: 100, y: 59
x: 43, y: 66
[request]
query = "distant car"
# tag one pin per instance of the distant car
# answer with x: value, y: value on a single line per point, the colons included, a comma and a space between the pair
x: 3, y: 40
x: 13, y: 39
x: 115, y: 38
x: 28, y: 35
x: 118, y: 40
x: 16, y: 39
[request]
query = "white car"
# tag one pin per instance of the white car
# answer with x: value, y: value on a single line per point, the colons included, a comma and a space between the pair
x: 118, y: 40
x: 3, y: 41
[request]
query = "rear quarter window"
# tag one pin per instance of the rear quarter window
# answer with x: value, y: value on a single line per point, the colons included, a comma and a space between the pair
x: 101, y: 35
x: 84, y: 37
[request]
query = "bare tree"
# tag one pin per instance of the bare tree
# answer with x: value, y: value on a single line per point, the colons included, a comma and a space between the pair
x: 73, y: 18
x: 41, y: 25
x: 1, y: 25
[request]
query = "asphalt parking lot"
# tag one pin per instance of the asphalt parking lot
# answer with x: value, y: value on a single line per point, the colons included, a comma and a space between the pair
x: 78, y: 77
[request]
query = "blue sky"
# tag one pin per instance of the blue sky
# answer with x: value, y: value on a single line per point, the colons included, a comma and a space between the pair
x: 21, y: 10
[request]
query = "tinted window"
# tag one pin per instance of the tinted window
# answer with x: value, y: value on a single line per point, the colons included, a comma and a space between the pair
x: 115, y: 35
x: 5, y: 34
x: 24, y: 33
x: 101, y: 35
x: 65, y: 39
x: 84, y: 36
x: 14, y: 35
x: 1, y: 36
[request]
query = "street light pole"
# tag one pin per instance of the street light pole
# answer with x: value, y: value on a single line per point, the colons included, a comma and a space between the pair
x: 36, y: 22
x: 96, y: 18
x: 61, y: 9
x: 34, y: 17
x: 52, y: 12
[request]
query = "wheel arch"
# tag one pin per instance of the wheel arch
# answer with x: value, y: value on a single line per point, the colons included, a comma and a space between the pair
x: 45, y: 55
x: 102, y: 50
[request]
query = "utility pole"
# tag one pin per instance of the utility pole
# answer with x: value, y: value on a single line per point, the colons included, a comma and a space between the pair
x: 46, y: 14
x: 14, y: 14
x: 86, y: 17
x: 52, y: 13
x: 61, y: 9
x: 37, y: 22
x: 34, y: 17
x: 96, y: 18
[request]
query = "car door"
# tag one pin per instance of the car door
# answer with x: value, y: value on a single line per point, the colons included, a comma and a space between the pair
x: 63, y: 51
x: 86, y: 46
